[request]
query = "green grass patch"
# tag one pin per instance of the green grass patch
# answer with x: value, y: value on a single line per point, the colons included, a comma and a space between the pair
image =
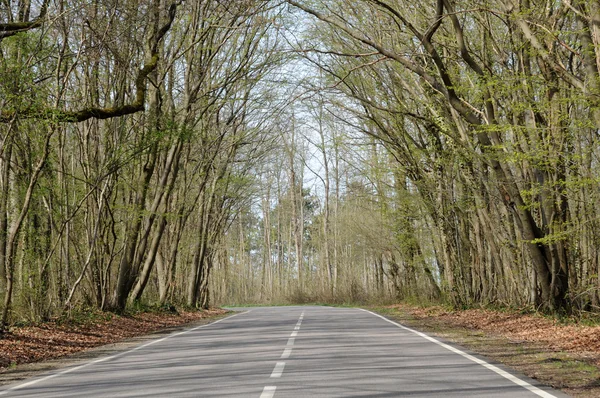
x: 83, y: 316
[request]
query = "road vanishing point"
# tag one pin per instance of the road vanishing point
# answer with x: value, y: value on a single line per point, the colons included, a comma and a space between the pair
x: 287, y: 352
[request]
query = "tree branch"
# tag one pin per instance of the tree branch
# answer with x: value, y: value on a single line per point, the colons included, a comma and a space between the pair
x: 410, y: 65
x: 12, y: 28
x: 548, y: 58
x: 438, y: 20
x: 137, y: 105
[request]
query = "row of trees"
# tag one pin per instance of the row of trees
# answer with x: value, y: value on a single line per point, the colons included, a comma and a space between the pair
x: 489, y: 111
x: 127, y: 134
x: 311, y: 150
x: 328, y: 225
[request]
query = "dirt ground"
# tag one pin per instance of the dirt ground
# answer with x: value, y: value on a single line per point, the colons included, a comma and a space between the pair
x: 564, y: 355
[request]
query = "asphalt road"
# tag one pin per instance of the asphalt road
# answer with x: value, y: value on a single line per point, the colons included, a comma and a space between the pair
x: 287, y: 352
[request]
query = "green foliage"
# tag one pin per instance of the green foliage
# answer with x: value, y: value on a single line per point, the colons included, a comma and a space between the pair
x: 83, y: 316
x: 140, y: 307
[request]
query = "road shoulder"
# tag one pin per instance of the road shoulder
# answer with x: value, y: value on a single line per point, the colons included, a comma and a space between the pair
x: 576, y: 373
x: 22, y: 371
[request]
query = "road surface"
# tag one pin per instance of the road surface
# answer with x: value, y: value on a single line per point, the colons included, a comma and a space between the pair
x: 287, y: 352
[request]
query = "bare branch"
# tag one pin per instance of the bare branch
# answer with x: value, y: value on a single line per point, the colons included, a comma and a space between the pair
x: 12, y: 28
x: 137, y: 105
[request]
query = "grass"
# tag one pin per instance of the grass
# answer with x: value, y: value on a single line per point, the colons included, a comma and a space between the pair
x: 83, y: 316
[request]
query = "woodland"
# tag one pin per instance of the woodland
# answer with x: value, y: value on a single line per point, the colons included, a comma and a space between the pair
x: 210, y: 152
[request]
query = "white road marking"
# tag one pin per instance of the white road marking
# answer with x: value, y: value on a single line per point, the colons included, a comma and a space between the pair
x: 278, y: 369
x: 481, y: 362
x: 268, y: 392
x: 286, y: 353
x: 85, y: 365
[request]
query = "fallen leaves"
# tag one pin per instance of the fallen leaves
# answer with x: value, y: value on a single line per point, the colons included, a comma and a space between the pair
x: 53, y: 340
x: 517, y: 327
x: 558, y: 354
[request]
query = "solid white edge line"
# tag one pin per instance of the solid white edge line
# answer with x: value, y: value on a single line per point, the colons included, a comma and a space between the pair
x: 279, y: 366
x: 268, y: 392
x: 291, y: 341
x: 294, y: 333
x: 481, y: 362
x: 85, y: 365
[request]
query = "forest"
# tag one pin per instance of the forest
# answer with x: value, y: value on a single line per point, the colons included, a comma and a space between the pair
x: 210, y: 152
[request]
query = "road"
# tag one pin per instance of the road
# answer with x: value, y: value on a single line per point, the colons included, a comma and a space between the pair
x: 287, y: 352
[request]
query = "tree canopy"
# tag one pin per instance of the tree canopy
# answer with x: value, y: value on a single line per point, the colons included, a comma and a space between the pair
x: 179, y: 152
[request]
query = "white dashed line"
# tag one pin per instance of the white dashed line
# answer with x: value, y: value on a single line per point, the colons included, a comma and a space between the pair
x: 286, y: 353
x: 268, y: 392
x: 278, y: 369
